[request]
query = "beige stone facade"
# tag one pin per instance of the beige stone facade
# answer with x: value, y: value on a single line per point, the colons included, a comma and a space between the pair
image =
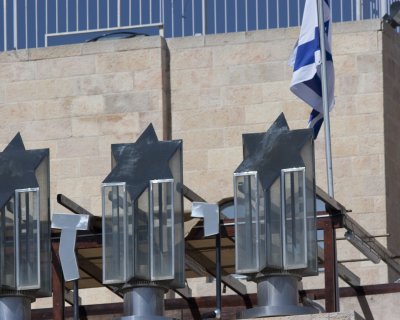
x: 77, y: 100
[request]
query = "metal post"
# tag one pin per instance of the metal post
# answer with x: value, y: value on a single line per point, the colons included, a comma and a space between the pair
x: 358, y: 9
x: 325, y: 98
x: 5, y: 23
x: 15, y: 308
x: 76, y: 300
x: 277, y: 295
x: 15, y: 24
x: 119, y: 13
x: 144, y: 302
x: 58, y: 287
x: 218, y: 269
x: 204, y: 17
x: 330, y: 264
x: 384, y: 9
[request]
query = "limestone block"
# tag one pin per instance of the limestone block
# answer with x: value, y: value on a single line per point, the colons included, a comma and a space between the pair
x: 263, y: 113
x: 209, y: 98
x: 233, y: 135
x: 65, y: 168
x: 212, y: 185
x: 185, y: 43
x: 91, y: 48
x: 277, y: 91
x: 95, y: 166
x: 367, y: 63
x: 17, y: 112
x: 346, y: 84
x: 185, y: 99
x: 343, y: 168
x: 147, y: 79
x: 200, y: 139
x: 194, y: 160
x: 225, y: 159
x: 103, y: 84
x: 360, y: 42
x: 345, y: 64
x: 127, y: 102
x: 217, y: 118
x: 345, y: 146
x: 370, y: 144
x: 367, y: 165
x: 127, y: 60
x: 370, y: 82
x: 197, y: 78
x: 65, y: 67
x: 40, y: 89
x: 360, y: 26
x: 43, y: 129
x: 55, y: 52
x: 362, y: 185
x: 14, y: 56
x: 118, y: 124
x: 105, y: 141
x: 272, y: 34
x: 225, y: 38
x: 295, y: 110
x: 191, y: 58
x: 139, y: 43
x: 241, y: 54
x: 77, y: 147
x: 256, y: 73
x: 18, y: 71
x: 243, y: 95
x: 369, y: 103
x: 147, y: 117
x: 50, y: 109
x: 87, y: 105
x: 85, y: 126
x: 374, y: 222
x: 91, y: 186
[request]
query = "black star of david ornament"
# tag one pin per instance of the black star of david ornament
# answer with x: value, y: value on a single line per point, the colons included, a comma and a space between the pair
x: 138, y: 163
x: 18, y: 168
x: 278, y: 148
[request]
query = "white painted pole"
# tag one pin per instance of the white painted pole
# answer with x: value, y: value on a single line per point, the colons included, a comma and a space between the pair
x: 203, y: 17
x: 15, y: 24
x: 384, y: 8
x: 5, y: 23
x: 358, y: 9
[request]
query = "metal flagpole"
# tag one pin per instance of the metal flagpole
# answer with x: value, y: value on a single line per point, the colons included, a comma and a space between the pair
x: 328, y: 151
x: 320, y: 5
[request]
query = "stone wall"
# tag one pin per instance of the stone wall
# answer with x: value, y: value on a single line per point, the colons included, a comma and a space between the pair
x: 391, y: 68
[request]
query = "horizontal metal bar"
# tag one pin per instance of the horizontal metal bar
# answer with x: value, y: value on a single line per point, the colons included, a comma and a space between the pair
x: 49, y: 35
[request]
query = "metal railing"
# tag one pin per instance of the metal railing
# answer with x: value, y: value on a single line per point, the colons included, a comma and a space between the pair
x: 38, y: 23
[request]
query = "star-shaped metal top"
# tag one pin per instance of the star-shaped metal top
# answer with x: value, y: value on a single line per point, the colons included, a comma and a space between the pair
x: 146, y: 159
x: 269, y: 152
x: 17, y: 168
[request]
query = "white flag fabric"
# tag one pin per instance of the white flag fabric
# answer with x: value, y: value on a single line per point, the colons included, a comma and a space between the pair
x: 306, y: 60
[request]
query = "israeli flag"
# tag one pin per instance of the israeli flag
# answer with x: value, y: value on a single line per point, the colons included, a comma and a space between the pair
x: 306, y: 63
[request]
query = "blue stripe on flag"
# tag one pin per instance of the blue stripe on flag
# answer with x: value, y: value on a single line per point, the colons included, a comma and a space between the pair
x: 306, y: 62
x: 315, y: 122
